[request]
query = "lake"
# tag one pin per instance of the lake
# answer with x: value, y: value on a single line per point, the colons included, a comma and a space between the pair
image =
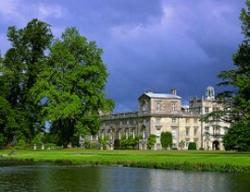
x: 102, y: 178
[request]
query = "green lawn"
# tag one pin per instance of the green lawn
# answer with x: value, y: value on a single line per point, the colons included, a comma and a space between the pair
x: 187, y: 160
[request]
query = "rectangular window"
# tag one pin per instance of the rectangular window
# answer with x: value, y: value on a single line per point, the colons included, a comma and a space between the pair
x: 173, y: 107
x: 187, y: 131
x: 174, y: 132
x: 187, y: 120
x: 206, y: 109
x: 216, y: 130
x: 158, y: 120
x: 173, y: 120
x: 195, y: 131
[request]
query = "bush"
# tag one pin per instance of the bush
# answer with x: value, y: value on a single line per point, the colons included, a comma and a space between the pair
x: 50, y: 146
x: 103, y: 141
x: 87, y: 145
x: 123, y: 142
x: 182, y: 144
x: 129, y: 143
x: 151, y: 141
x: 166, y: 139
x: 21, y: 144
x: 38, y: 139
x: 192, y: 146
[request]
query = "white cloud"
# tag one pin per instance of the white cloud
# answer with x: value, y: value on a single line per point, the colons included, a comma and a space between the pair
x: 21, y: 11
x: 46, y: 11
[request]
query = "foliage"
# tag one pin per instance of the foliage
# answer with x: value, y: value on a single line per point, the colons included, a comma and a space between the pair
x: 1, y: 140
x: 73, y: 86
x: 166, y: 139
x: 129, y: 142
x: 103, y: 141
x: 49, y: 138
x: 151, y: 141
x: 238, y: 137
x: 123, y: 142
x: 38, y: 139
x: 21, y: 144
x: 65, y: 86
x: 182, y: 144
x: 192, y: 146
x: 8, y: 122
x: 19, y: 70
x: 87, y: 144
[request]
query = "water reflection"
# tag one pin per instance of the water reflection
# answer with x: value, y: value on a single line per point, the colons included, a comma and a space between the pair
x: 73, y: 178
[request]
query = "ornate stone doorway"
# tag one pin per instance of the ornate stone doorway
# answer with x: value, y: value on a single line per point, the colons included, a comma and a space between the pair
x: 216, y: 145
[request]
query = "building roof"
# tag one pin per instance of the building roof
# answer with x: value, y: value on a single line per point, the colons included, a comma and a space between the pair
x: 162, y: 95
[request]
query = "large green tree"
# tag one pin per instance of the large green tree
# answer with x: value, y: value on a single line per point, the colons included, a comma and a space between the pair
x: 70, y: 88
x: 236, y: 101
x: 20, y: 67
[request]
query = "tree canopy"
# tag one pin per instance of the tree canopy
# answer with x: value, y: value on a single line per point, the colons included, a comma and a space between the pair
x: 43, y: 79
x: 72, y: 84
x: 20, y: 67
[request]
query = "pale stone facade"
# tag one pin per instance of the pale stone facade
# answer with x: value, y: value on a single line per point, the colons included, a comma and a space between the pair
x: 158, y: 112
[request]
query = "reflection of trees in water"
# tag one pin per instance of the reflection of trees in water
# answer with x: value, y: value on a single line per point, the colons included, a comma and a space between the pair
x: 70, y: 178
x: 78, y: 179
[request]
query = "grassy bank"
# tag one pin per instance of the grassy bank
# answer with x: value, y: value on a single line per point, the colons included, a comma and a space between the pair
x: 174, y: 160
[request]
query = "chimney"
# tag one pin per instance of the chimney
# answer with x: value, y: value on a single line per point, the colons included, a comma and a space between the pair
x: 173, y: 91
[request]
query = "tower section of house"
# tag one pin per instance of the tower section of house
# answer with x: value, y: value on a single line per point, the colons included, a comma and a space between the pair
x: 163, y: 112
x: 213, y: 131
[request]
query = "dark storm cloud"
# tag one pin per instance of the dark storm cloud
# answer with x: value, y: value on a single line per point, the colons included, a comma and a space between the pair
x: 148, y: 45
x: 185, y: 48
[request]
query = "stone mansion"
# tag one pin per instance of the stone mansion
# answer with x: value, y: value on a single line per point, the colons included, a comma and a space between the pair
x: 160, y: 112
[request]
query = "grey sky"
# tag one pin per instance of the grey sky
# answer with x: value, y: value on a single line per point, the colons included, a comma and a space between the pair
x: 148, y: 45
